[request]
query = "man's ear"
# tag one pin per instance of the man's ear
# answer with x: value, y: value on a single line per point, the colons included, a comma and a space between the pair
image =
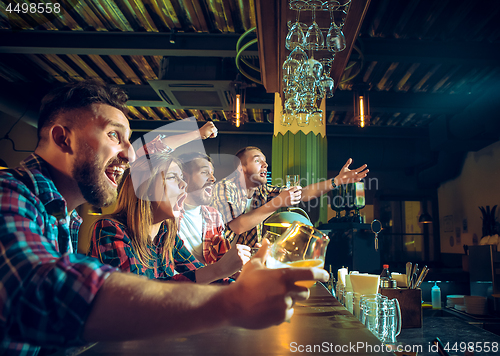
x: 60, y: 135
x: 240, y: 168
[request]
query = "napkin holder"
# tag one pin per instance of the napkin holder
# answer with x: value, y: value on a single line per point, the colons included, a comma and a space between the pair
x: 410, y: 302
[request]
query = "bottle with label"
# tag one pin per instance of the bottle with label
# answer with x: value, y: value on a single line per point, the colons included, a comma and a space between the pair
x: 436, y: 296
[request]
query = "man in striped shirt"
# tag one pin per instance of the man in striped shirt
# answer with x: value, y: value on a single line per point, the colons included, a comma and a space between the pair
x: 246, y: 199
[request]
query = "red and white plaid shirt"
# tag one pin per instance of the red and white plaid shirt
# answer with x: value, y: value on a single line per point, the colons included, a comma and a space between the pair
x: 214, y: 243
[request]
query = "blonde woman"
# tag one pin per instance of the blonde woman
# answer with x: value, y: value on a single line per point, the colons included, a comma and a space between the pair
x: 141, y: 235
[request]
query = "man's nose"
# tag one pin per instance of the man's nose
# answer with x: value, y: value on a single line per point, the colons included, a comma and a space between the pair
x: 128, y: 152
x: 182, y: 184
x: 212, y: 178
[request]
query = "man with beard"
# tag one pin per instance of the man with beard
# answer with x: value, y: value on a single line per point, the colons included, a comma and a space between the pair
x: 54, y: 298
x: 246, y: 193
x: 201, y: 226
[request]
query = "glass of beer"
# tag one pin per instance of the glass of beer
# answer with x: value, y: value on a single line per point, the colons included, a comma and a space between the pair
x: 292, y: 180
x: 300, y: 245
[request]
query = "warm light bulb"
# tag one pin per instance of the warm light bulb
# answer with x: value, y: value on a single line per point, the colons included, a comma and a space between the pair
x: 237, y: 121
x: 361, y: 111
x: 238, y: 107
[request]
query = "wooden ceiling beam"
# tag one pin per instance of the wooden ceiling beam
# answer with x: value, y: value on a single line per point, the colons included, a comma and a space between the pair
x: 121, y: 43
x: 355, y: 17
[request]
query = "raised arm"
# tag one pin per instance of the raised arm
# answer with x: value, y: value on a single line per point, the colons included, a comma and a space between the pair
x: 345, y: 176
x: 254, y: 217
x: 206, y: 131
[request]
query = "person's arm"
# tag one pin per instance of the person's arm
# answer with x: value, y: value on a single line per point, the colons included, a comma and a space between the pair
x: 206, y: 131
x: 229, y: 264
x: 260, y: 298
x: 249, y: 220
x: 162, y: 143
x: 345, y: 176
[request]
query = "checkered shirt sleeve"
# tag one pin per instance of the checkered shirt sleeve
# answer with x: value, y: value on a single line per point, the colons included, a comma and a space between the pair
x: 46, y: 297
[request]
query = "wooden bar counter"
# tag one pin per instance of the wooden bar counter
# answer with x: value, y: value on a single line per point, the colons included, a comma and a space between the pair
x: 320, y: 325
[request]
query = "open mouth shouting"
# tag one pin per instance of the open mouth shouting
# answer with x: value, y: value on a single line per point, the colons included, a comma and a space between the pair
x: 208, y: 190
x: 179, y: 204
x: 263, y: 174
x: 114, y: 173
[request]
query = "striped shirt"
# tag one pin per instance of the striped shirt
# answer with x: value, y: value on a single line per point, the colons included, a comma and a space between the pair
x: 46, y: 290
x: 230, y: 200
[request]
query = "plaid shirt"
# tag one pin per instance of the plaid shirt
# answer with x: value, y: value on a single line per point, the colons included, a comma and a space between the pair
x: 214, y: 243
x: 111, y: 244
x: 46, y: 291
x: 230, y: 199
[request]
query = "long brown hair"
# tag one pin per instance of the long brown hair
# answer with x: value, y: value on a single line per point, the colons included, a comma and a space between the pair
x: 134, y: 207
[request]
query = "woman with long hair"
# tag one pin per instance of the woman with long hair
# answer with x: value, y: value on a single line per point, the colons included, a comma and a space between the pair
x: 140, y: 236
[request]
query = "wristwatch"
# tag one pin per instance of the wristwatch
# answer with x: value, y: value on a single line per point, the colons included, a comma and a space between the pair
x: 333, y: 183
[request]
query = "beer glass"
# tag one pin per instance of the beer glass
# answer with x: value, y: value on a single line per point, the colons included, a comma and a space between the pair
x: 300, y: 245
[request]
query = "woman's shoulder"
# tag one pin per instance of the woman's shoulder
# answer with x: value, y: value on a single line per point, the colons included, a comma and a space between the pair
x: 110, y: 226
x: 110, y: 222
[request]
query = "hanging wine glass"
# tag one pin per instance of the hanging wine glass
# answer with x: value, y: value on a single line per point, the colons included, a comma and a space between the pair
x: 316, y: 68
x: 319, y: 116
x: 315, y: 4
x: 302, y: 119
x: 286, y: 117
x: 316, y: 117
x: 338, y: 17
x: 298, y: 54
x: 295, y: 36
x: 305, y: 68
x: 335, y: 40
x: 292, y: 104
x: 319, y: 90
x: 328, y: 85
x: 289, y: 86
x: 307, y: 83
x: 314, y: 37
x: 308, y: 101
x: 290, y: 67
x: 327, y: 64
x: 298, y: 4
